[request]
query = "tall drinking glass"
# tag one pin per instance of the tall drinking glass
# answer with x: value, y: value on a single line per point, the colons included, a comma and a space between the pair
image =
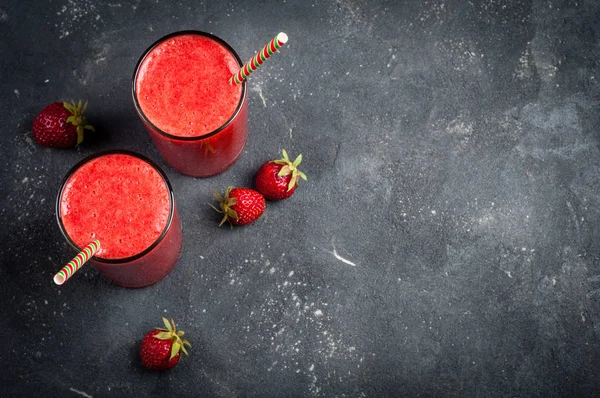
x: 181, y: 92
x: 125, y: 201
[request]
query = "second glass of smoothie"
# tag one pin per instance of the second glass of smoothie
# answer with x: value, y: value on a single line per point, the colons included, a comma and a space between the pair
x: 125, y: 201
x: 181, y: 92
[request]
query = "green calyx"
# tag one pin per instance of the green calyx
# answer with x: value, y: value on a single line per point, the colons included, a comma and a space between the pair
x: 171, y: 333
x: 225, y: 203
x: 290, y: 167
x: 77, y: 118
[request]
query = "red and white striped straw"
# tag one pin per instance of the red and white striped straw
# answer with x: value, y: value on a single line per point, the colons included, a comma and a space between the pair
x: 68, y: 270
x: 264, y: 54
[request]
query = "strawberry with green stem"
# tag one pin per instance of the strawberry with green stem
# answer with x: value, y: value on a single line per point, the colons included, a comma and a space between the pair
x: 61, y: 125
x: 240, y: 206
x: 161, y: 348
x: 278, y: 179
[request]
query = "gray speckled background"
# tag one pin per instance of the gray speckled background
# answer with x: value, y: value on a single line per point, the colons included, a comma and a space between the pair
x: 447, y: 242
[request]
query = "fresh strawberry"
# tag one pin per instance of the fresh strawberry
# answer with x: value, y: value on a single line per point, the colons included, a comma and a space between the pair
x: 278, y: 179
x: 61, y: 125
x: 161, y: 348
x: 240, y: 205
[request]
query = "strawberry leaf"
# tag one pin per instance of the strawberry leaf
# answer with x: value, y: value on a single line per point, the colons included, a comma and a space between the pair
x: 292, y: 182
x: 175, y: 349
x: 68, y: 107
x: 164, y: 336
x: 215, y: 209
x: 223, y: 220
x: 166, y: 322
x: 232, y: 213
x: 225, y: 203
x: 217, y: 195
x: 298, y: 160
x: 285, y: 170
x: 79, y: 135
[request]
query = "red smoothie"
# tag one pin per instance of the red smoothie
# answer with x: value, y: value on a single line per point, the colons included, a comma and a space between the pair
x: 125, y: 202
x: 182, y: 93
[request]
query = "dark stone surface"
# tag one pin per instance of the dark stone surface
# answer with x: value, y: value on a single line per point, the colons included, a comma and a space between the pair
x: 447, y: 242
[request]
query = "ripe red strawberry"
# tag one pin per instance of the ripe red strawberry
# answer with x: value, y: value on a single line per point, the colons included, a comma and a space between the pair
x: 161, y: 348
x: 240, y: 205
x: 61, y: 125
x: 278, y: 179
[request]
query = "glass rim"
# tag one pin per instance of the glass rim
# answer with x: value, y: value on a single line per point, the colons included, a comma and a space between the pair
x: 143, y: 116
x: 159, y: 239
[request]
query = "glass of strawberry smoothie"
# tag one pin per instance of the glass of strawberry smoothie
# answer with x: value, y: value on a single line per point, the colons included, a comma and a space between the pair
x: 181, y: 92
x: 124, y: 200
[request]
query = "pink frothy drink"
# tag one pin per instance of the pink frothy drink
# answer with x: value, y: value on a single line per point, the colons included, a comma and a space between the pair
x: 181, y: 91
x: 126, y: 202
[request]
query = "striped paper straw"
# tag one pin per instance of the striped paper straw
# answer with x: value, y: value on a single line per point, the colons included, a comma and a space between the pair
x: 68, y: 270
x: 264, y: 54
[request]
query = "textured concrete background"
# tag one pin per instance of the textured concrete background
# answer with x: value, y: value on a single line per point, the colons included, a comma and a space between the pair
x: 447, y: 242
